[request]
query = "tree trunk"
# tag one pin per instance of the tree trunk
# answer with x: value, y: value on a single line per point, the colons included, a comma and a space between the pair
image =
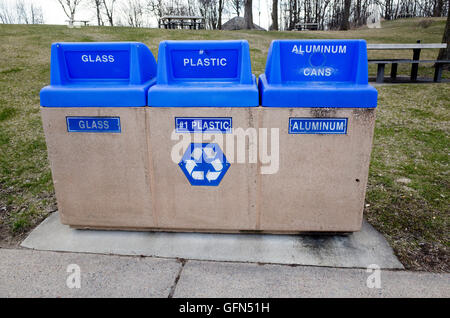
x: 438, y: 6
x: 444, y: 54
x: 388, y: 10
x: 358, y: 12
x: 109, y: 12
x: 275, y: 15
x: 293, y: 14
x: 345, y: 24
x: 97, y: 8
x: 248, y: 14
x: 219, y: 22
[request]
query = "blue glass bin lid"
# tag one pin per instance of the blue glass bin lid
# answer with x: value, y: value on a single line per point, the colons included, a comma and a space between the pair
x: 99, y: 74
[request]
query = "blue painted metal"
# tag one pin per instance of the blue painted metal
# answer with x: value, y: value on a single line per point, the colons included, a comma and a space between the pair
x: 93, y: 124
x: 204, y: 74
x: 317, y: 73
x: 204, y: 164
x: 116, y: 74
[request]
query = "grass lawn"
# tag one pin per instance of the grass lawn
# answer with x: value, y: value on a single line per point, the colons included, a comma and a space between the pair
x: 409, y: 188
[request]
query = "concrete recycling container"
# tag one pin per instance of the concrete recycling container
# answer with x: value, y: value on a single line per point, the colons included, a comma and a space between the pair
x: 204, y: 92
x: 316, y: 93
x: 94, y: 121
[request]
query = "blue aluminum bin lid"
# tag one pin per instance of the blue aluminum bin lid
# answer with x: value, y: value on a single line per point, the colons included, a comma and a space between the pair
x: 115, y: 74
x: 204, y: 74
x: 317, y: 73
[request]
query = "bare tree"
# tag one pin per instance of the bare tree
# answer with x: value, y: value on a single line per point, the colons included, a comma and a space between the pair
x: 192, y: 7
x: 388, y: 7
x: 70, y: 7
x: 248, y: 14
x: 134, y: 12
x: 156, y: 8
x: 219, y: 13
x: 322, y: 10
x: 345, y: 22
x: 21, y: 11
x: 108, y: 6
x: 7, y: 15
x: 284, y: 15
x: 209, y: 10
x: 175, y: 7
x: 438, y: 6
x: 236, y: 6
x: 36, y: 14
x: 97, y: 5
x: 294, y: 13
x: 274, y: 15
x: 344, y: 14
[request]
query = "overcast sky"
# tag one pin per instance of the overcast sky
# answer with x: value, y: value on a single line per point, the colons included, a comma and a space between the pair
x: 53, y: 13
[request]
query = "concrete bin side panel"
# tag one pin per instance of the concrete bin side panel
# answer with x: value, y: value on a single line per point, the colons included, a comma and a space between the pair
x: 101, y: 179
x: 230, y: 206
x: 321, y: 182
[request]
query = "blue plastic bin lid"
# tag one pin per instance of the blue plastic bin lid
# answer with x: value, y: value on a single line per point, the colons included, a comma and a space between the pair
x: 317, y: 73
x: 204, y: 73
x: 99, y: 75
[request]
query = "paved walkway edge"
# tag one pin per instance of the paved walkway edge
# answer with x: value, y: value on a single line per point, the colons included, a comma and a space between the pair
x: 357, y: 250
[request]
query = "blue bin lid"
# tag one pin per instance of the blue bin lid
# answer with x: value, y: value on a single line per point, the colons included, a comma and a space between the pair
x: 317, y: 73
x: 204, y: 73
x: 116, y: 74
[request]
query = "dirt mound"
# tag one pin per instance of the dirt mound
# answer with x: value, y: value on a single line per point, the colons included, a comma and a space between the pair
x: 238, y: 23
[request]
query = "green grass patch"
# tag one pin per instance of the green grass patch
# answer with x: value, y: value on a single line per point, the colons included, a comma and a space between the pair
x: 11, y: 70
x: 7, y: 113
x: 408, y: 192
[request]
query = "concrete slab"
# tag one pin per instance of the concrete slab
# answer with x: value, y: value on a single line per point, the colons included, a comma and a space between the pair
x: 357, y: 250
x: 212, y: 279
x: 25, y: 273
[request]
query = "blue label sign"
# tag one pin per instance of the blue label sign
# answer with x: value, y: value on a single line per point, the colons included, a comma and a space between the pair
x: 203, y: 125
x: 213, y: 63
x: 113, y: 64
x: 336, y: 126
x: 93, y: 124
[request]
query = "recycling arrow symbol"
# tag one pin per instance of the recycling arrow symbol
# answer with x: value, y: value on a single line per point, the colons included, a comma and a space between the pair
x: 204, y: 164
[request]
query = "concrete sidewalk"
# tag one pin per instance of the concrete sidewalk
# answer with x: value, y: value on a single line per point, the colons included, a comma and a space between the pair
x: 28, y: 273
x: 356, y: 250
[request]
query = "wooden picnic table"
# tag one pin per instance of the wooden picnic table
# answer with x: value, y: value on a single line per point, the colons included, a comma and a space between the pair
x: 416, y: 47
x: 71, y: 22
x: 312, y: 26
x: 181, y: 22
x: 406, y: 46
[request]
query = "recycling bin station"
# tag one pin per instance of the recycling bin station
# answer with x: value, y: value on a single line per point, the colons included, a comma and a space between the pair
x: 316, y: 92
x: 179, y: 145
x: 204, y: 91
x: 94, y: 121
